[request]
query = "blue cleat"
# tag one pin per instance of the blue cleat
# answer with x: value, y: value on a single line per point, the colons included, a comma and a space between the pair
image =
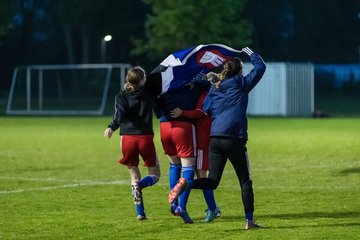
x: 211, y: 215
x: 141, y: 217
x: 173, y: 209
x: 184, y: 215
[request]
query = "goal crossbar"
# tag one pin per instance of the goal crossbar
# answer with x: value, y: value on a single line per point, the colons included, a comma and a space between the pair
x: 29, y: 108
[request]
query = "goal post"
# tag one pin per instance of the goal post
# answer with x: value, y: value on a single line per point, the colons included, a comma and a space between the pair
x: 76, y: 89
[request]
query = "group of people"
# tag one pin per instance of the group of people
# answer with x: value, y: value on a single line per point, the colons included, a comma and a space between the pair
x: 201, y: 126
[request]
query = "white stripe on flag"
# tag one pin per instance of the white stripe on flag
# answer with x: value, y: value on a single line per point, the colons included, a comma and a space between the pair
x: 167, y: 77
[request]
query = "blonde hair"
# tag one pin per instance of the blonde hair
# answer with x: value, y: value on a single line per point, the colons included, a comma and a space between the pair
x: 133, y: 78
x: 213, y: 79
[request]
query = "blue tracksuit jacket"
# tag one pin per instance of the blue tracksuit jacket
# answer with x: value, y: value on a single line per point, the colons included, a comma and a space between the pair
x: 228, y: 104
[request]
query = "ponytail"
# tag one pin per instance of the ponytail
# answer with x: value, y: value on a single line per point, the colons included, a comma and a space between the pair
x: 133, y: 79
x: 232, y: 67
x: 213, y: 78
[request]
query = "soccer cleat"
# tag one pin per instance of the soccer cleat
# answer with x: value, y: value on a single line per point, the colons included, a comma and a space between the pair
x: 211, y: 215
x: 250, y: 224
x: 176, y: 191
x: 173, y: 208
x: 141, y: 217
x: 218, y: 212
x: 136, y: 193
x: 184, y: 215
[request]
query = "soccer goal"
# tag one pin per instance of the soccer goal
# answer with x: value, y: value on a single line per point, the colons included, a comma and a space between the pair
x: 79, y: 89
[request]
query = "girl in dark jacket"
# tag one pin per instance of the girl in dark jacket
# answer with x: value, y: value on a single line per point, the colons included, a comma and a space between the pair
x: 133, y: 115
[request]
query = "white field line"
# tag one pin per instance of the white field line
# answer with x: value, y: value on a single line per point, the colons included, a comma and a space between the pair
x: 51, y: 180
x: 85, y: 182
x: 79, y: 183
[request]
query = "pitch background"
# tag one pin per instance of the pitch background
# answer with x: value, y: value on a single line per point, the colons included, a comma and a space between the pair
x: 59, y: 179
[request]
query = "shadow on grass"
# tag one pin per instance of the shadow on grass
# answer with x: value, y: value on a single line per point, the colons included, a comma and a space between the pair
x: 310, y: 225
x: 349, y: 171
x: 289, y: 216
x: 310, y: 215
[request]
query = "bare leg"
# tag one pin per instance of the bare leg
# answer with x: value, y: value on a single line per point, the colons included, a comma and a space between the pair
x: 174, y: 159
x: 135, y: 175
x: 189, y: 161
x: 155, y: 171
x: 201, y: 173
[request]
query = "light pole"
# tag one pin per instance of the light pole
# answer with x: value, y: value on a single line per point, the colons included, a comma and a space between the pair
x: 107, y: 38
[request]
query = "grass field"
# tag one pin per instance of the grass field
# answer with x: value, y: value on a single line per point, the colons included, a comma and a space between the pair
x: 59, y: 179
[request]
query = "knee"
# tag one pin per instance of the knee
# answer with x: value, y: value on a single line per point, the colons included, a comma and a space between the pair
x: 201, y: 173
x: 213, y: 183
x: 246, y: 185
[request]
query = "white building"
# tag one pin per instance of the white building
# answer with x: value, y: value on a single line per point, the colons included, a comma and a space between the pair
x: 286, y: 89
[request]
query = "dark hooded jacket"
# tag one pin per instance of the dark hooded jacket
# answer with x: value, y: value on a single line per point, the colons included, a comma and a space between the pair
x: 133, y: 113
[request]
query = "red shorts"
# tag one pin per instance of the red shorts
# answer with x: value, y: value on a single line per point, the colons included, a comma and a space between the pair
x: 203, y: 136
x: 202, y: 159
x: 134, y: 145
x: 178, y: 138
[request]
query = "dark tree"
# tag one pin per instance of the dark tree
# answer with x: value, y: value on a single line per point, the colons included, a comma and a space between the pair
x: 174, y: 25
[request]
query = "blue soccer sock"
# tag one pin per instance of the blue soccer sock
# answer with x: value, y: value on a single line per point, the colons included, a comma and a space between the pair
x: 249, y: 216
x: 188, y: 173
x: 140, y: 209
x: 174, y: 175
x: 148, y: 181
x: 210, y: 199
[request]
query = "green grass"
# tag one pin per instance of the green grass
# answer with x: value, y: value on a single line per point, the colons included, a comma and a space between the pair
x: 59, y: 179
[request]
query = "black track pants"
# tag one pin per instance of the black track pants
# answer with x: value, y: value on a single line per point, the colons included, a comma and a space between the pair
x: 233, y: 149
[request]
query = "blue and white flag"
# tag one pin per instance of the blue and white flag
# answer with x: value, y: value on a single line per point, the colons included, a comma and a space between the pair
x: 186, y: 65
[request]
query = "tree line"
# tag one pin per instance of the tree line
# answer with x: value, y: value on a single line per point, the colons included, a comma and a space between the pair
x: 145, y: 32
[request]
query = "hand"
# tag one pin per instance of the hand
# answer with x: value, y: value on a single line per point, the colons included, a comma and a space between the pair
x: 190, y: 85
x: 176, y: 112
x: 247, y: 50
x: 108, y: 133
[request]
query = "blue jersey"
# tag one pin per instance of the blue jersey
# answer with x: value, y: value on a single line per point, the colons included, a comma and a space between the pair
x: 184, y: 98
x: 228, y: 104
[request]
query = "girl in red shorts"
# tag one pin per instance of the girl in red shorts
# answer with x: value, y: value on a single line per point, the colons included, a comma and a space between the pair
x: 202, y: 125
x: 133, y: 115
x: 178, y: 138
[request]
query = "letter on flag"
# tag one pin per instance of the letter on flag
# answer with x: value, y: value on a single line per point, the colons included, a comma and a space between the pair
x: 186, y: 65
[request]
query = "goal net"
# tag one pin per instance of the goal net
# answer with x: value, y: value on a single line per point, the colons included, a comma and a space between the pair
x: 80, y: 89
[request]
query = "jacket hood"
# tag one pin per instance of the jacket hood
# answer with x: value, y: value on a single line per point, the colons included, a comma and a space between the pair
x: 135, y: 94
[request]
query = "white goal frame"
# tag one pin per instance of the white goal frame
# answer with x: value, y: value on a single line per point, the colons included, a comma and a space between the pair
x: 40, y: 68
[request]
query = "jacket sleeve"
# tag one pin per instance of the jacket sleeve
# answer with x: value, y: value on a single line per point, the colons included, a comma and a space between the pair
x: 196, y: 113
x: 120, y: 111
x: 251, y: 79
x: 206, y: 106
x: 156, y: 109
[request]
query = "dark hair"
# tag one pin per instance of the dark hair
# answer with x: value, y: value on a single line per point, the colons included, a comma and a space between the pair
x: 133, y: 78
x: 231, y: 67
